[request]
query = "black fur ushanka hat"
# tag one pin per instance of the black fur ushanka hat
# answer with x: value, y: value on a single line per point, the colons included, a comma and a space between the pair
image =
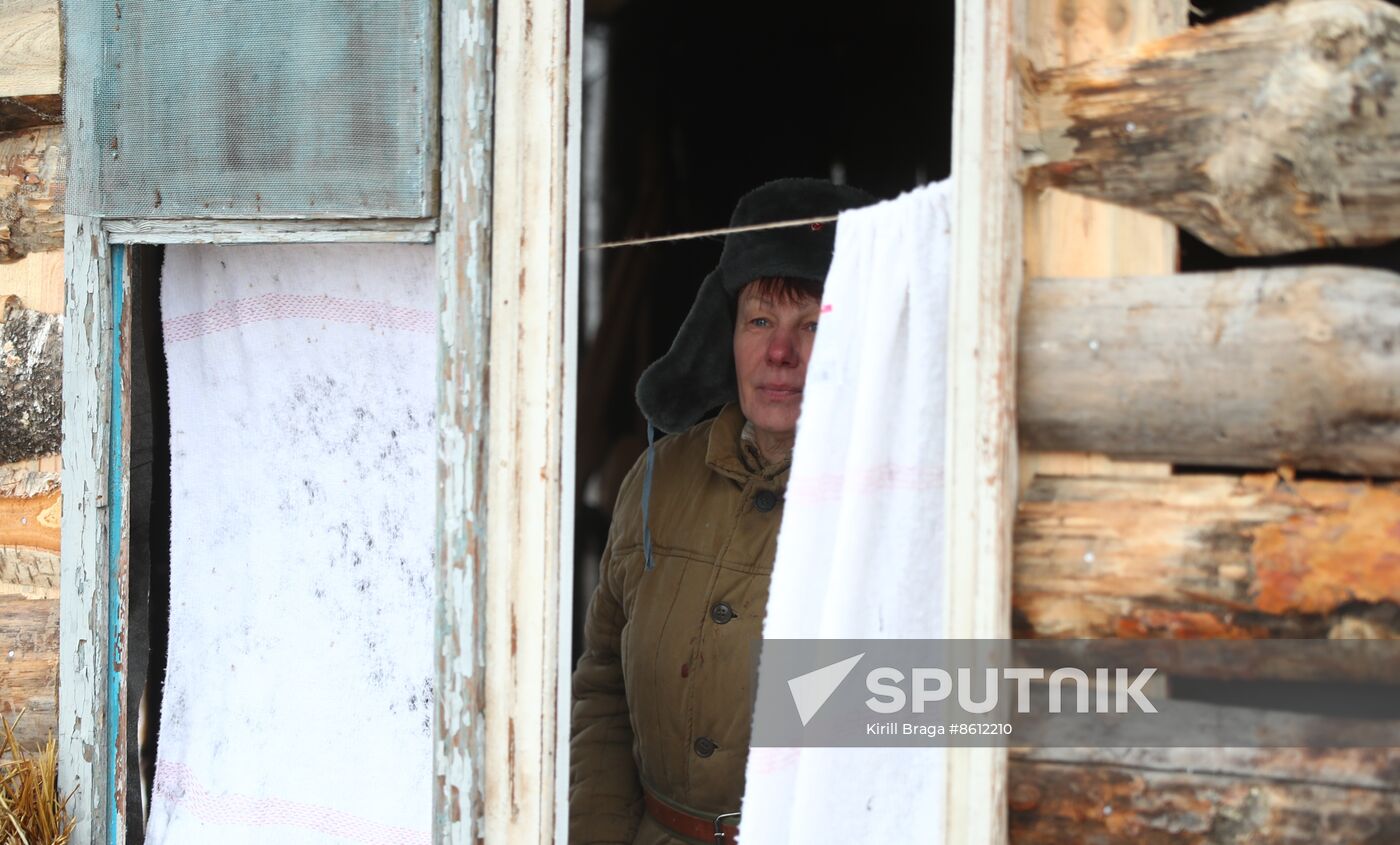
x: 697, y: 374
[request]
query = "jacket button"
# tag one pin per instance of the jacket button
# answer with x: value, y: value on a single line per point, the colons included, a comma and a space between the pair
x: 704, y: 746
x: 766, y: 500
x: 722, y: 613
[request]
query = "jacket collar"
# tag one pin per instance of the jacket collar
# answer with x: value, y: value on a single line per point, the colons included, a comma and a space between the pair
x: 724, y: 454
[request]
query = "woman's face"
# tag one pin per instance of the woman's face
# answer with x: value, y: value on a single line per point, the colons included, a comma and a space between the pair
x: 772, y: 342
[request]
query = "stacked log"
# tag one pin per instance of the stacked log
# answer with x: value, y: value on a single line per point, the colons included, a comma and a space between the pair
x: 1266, y: 133
x: 31, y: 305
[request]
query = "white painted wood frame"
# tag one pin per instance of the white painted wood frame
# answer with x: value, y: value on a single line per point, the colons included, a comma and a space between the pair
x: 530, y: 420
x: 85, y: 662
x: 91, y: 676
x: 508, y: 259
x: 498, y: 760
x: 983, y: 305
x: 269, y: 231
x: 573, y: 229
x: 464, y: 299
x: 91, y: 603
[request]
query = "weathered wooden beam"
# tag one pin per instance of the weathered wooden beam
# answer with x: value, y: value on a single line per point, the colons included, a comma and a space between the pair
x: 528, y: 489
x: 1265, y: 133
x: 31, y: 192
x: 1204, y: 556
x: 30, y: 507
x: 85, y: 652
x: 20, y: 113
x: 29, y: 665
x: 31, y: 382
x: 981, y: 426
x: 1251, y: 368
x: 1352, y: 768
x: 1074, y: 236
x: 1204, y: 799
x: 37, y: 280
x: 30, y: 65
x: 1069, y: 236
x: 29, y: 583
x: 30, y: 48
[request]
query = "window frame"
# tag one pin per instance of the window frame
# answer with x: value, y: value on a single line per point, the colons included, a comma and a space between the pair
x: 96, y: 441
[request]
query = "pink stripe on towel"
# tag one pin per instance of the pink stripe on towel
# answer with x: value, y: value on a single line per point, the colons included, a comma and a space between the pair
x: 177, y: 784
x: 229, y: 314
x: 829, y: 487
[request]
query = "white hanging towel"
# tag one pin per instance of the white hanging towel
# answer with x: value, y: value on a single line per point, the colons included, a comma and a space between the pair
x: 299, y: 692
x: 860, y: 548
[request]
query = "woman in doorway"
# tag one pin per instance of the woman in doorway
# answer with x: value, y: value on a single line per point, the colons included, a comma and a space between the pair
x: 663, y: 693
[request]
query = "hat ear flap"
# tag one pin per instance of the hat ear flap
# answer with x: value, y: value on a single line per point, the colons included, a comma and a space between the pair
x: 697, y: 373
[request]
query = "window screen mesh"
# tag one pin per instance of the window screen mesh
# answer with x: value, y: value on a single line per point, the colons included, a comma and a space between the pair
x: 261, y: 108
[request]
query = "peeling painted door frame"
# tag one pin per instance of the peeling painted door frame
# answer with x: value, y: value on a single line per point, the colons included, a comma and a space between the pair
x: 94, y: 531
x: 530, y: 418
x: 501, y: 720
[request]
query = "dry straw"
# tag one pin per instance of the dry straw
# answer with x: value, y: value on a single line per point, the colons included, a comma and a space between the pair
x: 31, y: 810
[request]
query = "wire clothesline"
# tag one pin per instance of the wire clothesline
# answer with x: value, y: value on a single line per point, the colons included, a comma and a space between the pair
x: 710, y: 233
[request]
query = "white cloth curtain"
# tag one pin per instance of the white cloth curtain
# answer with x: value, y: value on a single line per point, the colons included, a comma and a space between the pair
x: 860, y: 548
x: 299, y: 696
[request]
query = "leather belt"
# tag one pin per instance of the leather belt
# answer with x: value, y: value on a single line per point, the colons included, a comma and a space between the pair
x: 721, y: 830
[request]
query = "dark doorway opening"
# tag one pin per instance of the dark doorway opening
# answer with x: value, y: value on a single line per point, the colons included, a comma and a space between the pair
x: 686, y: 107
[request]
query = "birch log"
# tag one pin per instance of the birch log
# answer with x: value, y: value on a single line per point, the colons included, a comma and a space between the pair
x: 1203, y: 556
x: 31, y: 382
x: 1251, y: 368
x: 31, y: 192
x: 1265, y: 133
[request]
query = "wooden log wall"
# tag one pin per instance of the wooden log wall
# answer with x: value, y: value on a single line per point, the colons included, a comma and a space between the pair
x: 30, y: 501
x: 31, y: 155
x: 29, y: 575
x: 1069, y: 236
x: 1271, y: 132
x: 31, y: 304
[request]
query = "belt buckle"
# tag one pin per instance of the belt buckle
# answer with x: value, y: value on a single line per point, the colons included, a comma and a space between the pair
x: 720, y: 821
